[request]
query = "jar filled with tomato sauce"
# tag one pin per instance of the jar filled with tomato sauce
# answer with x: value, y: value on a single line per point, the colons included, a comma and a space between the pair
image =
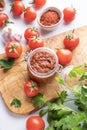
x: 42, y: 64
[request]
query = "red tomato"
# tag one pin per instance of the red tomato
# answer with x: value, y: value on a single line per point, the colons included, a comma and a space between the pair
x: 31, y: 88
x: 64, y: 56
x: 31, y: 31
x: 17, y: 8
x: 13, y: 49
x: 71, y: 41
x: 35, y: 123
x: 69, y: 14
x: 30, y: 14
x: 39, y: 3
x: 35, y: 42
x: 3, y: 19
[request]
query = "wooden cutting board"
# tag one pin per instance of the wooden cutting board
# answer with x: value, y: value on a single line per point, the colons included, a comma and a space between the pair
x: 12, y: 81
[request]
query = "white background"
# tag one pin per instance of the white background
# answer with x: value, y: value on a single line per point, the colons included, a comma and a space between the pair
x: 8, y: 120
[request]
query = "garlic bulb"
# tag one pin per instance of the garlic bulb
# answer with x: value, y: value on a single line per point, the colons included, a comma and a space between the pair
x: 11, y: 33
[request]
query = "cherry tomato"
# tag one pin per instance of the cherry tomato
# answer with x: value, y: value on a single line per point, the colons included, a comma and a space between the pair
x: 13, y: 49
x: 69, y: 14
x: 35, y: 42
x: 35, y: 123
x: 64, y: 56
x: 39, y: 3
x: 31, y: 31
x: 17, y: 8
x: 3, y: 19
x: 30, y: 14
x: 31, y: 88
x: 71, y: 41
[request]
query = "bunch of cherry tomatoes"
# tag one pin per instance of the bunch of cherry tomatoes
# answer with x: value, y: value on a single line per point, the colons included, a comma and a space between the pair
x: 18, y: 7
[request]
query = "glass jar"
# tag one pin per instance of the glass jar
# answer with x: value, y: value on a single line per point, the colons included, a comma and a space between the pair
x: 64, y: 74
x: 42, y: 64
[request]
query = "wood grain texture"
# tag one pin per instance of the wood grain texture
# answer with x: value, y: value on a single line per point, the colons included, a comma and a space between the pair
x: 12, y: 81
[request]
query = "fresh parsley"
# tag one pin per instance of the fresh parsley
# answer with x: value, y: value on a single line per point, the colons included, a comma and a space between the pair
x: 63, y: 96
x: 83, y: 77
x: 80, y: 93
x: 39, y: 100
x: 6, y: 64
x: 77, y: 70
x: 70, y: 122
x: 62, y: 117
x: 16, y: 102
x: 60, y: 81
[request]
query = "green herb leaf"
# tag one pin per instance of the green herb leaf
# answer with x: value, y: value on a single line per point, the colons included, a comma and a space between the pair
x: 43, y: 112
x: 39, y: 100
x: 16, y: 102
x: 63, y: 96
x: 76, y: 71
x: 6, y: 64
x: 71, y: 122
x: 61, y: 110
x: 81, y: 95
x: 77, y: 90
x: 62, y: 117
x: 85, y: 65
x: 83, y: 77
x: 50, y: 128
x: 60, y: 81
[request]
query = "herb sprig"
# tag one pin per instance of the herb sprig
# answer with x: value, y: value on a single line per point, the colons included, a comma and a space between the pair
x: 62, y: 117
x: 6, y: 64
x: 16, y: 102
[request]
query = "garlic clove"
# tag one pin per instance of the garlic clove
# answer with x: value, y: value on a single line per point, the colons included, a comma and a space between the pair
x: 11, y: 33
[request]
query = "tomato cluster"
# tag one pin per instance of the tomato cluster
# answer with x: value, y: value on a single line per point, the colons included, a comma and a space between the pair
x: 18, y: 7
x: 14, y: 49
x: 33, y: 38
x: 70, y: 41
x: 31, y: 89
x: 30, y: 14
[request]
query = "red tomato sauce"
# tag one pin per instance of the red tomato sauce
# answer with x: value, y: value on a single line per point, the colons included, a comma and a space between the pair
x: 49, y: 18
x: 43, y: 62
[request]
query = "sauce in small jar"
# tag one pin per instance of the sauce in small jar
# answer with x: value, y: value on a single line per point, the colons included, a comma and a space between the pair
x: 42, y: 64
x: 50, y: 17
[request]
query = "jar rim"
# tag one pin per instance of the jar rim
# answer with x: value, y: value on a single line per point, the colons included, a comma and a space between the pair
x: 42, y: 75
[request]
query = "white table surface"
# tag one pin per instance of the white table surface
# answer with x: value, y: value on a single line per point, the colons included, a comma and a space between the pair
x: 9, y: 120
